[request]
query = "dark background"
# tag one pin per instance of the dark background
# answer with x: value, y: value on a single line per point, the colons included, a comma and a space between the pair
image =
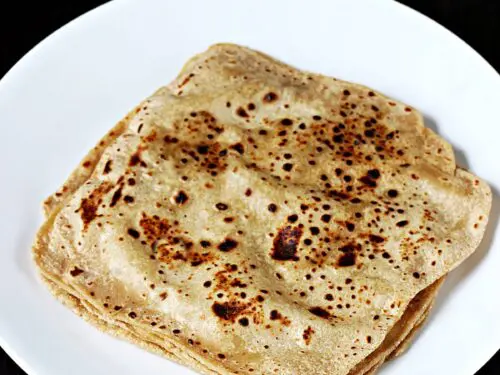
x: 23, y: 25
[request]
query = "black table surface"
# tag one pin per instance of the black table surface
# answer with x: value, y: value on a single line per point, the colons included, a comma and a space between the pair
x: 23, y: 25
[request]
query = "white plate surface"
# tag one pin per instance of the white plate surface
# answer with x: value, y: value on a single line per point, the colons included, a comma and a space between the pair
x: 69, y: 90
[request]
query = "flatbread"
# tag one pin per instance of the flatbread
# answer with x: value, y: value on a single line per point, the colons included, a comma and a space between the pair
x: 251, y: 218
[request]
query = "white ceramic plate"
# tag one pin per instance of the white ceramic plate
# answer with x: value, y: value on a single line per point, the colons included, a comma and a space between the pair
x: 69, y: 90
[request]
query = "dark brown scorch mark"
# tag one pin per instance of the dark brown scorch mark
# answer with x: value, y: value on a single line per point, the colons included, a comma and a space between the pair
x: 116, y: 196
x: 373, y: 173
x: 270, y: 97
x: 169, y: 139
x: 326, y: 218
x: 163, y: 296
x: 285, y: 243
x: 371, y: 176
x: 128, y: 199
x: 135, y: 159
x: 241, y: 112
x: 221, y: 206
x: 76, y: 271
x: 181, y: 198
x: 244, y: 322
x: 238, y: 147
x: 375, y: 238
x: 402, y: 223
x: 307, y: 335
x: 90, y: 205
x: 350, y: 247
x: 392, y: 193
x: 107, y: 167
x: 347, y: 260
x: 272, y: 207
x: 368, y: 181
x: 133, y: 233
x: 186, y: 80
x: 227, y: 245
x: 202, y: 149
x: 228, y: 310
x: 318, y: 311
x: 276, y: 315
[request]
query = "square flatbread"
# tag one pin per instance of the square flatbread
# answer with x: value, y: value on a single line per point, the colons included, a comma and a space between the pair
x: 252, y: 218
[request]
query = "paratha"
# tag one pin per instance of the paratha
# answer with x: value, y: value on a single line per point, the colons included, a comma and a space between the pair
x: 252, y: 218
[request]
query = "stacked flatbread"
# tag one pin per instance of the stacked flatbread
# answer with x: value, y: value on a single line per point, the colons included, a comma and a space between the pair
x: 251, y: 218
